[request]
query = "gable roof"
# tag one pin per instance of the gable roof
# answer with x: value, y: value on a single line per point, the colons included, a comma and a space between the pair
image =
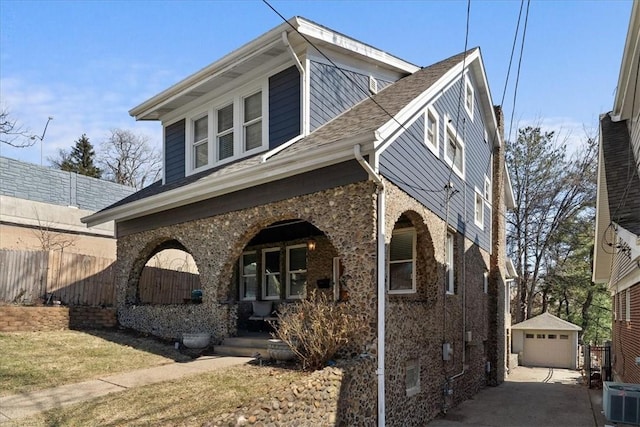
x: 546, y: 321
x: 329, y: 144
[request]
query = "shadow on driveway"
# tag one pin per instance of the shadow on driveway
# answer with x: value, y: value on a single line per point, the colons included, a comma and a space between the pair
x: 535, y: 397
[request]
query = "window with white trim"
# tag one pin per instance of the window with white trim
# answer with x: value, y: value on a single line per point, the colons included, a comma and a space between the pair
x: 627, y: 306
x: 485, y: 283
x: 412, y: 377
x: 297, y: 271
x: 478, y: 217
x: 615, y: 307
x: 402, y: 260
x: 487, y: 190
x: 468, y: 96
x: 200, y: 138
x: 454, y: 151
x: 252, y: 121
x: 449, y: 265
x: 224, y: 137
x: 271, y: 281
x: 230, y: 128
x: 431, y: 121
x: 248, y: 279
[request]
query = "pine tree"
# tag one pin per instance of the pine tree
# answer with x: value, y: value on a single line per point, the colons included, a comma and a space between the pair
x: 80, y: 159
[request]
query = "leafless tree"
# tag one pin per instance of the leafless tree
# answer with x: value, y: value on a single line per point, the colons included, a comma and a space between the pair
x: 129, y: 159
x: 50, y: 239
x: 13, y: 133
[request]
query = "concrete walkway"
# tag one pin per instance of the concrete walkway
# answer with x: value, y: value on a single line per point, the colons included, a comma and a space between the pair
x: 535, y: 397
x: 26, y: 404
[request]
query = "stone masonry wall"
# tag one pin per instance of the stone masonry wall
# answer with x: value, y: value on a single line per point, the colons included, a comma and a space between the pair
x: 418, y: 323
x: 17, y: 318
x: 345, y: 214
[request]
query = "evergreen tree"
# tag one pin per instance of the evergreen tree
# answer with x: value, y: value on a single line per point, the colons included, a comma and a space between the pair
x: 80, y: 159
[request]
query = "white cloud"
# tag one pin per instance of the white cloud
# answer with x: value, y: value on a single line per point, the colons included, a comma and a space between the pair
x: 567, y: 130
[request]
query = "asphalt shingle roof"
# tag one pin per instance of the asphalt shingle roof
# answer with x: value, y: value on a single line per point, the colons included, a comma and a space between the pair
x: 366, y: 116
x: 546, y: 321
x: 623, y: 183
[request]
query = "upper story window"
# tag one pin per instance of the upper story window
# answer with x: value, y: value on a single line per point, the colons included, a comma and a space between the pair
x: 200, y: 141
x: 479, y: 210
x: 431, y: 129
x: 402, y: 259
x: 231, y: 128
x: 487, y: 190
x: 468, y: 96
x: 454, y: 151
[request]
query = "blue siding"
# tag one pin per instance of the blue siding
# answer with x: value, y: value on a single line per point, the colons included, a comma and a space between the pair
x: 32, y: 182
x: 284, y: 106
x: 409, y: 164
x: 333, y: 93
x: 174, y: 146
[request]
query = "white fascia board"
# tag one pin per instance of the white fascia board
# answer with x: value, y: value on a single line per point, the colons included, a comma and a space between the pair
x: 318, y: 32
x: 602, y: 259
x: 626, y: 77
x: 486, y: 100
x: 230, y: 60
x: 385, y: 133
x: 259, y: 173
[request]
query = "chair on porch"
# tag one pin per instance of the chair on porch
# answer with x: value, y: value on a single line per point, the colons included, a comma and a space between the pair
x: 263, y: 313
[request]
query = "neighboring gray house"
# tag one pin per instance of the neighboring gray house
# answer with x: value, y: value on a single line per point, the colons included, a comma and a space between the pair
x: 306, y: 159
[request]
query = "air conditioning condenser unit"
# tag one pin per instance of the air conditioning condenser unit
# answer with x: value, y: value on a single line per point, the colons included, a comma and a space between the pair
x: 621, y: 402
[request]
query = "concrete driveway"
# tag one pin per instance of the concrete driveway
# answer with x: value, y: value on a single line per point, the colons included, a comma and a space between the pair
x: 530, y: 397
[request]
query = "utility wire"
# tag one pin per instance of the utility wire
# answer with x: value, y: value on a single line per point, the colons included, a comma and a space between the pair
x: 515, y: 91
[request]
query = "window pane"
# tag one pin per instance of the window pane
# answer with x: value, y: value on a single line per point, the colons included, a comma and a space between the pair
x: 401, y: 246
x: 201, y: 155
x: 250, y: 287
x: 253, y: 136
x: 272, y: 262
x: 400, y: 275
x: 249, y: 264
x: 273, y: 286
x: 298, y: 259
x: 200, y: 129
x: 252, y: 107
x: 225, y: 118
x: 225, y: 146
x: 297, y: 284
x: 458, y: 160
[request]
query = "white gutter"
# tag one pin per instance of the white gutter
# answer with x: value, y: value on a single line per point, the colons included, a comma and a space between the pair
x: 381, y: 280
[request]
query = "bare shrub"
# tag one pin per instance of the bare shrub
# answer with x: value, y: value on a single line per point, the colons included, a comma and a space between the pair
x: 317, y: 328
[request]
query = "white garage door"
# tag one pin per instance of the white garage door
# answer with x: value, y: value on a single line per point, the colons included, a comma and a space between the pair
x: 548, y: 348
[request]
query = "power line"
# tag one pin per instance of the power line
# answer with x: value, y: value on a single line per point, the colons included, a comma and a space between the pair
x: 515, y: 91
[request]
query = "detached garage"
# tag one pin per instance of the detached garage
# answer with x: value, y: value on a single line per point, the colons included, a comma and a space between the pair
x: 546, y: 340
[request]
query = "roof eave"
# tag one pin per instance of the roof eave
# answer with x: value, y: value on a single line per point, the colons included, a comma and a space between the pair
x: 623, y: 103
x: 275, y: 168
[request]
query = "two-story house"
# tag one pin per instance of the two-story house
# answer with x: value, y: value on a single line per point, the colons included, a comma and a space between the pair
x: 617, y: 240
x: 309, y: 160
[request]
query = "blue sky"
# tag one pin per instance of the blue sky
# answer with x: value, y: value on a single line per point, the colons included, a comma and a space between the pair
x: 86, y: 63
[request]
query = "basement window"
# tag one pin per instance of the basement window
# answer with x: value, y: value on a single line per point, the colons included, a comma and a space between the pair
x: 412, y: 379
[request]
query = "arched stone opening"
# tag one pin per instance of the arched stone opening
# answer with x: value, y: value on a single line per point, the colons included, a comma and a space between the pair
x: 280, y: 261
x: 164, y: 272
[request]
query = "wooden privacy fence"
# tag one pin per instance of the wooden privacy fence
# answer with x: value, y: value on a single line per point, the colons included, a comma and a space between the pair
x: 30, y: 276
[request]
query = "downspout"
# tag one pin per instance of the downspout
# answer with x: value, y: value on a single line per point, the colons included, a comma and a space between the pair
x: 381, y: 279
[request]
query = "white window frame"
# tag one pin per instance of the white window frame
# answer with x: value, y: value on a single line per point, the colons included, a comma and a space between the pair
x: 219, y: 134
x: 485, y: 283
x: 627, y: 313
x: 237, y: 99
x: 412, y: 231
x: 434, y: 147
x: 246, y: 124
x: 414, y: 388
x: 450, y: 132
x: 450, y: 261
x: 615, y: 307
x: 487, y: 190
x: 192, y: 144
x: 242, y: 276
x: 469, y: 96
x: 478, y: 209
x: 265, y: 274
x: 289, y: 271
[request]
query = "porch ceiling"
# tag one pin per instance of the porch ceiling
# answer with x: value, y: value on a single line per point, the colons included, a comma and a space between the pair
x: 284, y: 231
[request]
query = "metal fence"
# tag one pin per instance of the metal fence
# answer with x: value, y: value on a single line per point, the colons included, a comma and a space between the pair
x: 597, y: 364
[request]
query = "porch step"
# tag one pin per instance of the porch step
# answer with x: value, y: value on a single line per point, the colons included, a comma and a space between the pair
x: 244, y: 346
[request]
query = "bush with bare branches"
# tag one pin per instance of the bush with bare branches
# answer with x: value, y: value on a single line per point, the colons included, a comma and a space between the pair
x: 317, y: 328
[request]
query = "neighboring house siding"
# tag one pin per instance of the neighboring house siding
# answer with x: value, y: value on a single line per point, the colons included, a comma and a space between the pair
x: 332, y: 92
x: 174, y: 146
x: 306, y: 183
x: 284, y: 106
x: 408, y: 163
x: 626, y: 342
x: 37, y: 183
